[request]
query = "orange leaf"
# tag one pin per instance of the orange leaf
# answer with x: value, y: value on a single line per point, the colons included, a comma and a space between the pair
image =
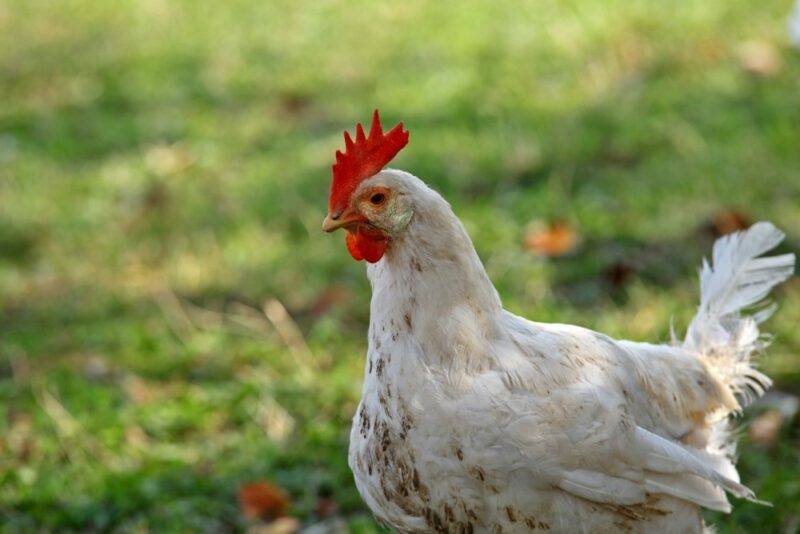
x: 552, y: 240
x: 325, y: 507
x: 725, y: 222
x: 262, y: 500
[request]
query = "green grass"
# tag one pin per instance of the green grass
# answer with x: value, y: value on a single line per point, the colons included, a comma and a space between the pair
x: 164, y: 168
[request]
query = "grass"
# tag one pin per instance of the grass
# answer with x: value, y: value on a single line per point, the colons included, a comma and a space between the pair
x: 163, y: 174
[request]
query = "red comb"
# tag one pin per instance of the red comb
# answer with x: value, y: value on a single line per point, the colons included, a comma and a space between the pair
x: 363, y: 158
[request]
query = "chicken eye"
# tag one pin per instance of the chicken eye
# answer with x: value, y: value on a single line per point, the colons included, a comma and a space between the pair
x: 377, y: 199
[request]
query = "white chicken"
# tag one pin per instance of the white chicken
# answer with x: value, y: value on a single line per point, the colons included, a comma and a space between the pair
x: 473, y: 419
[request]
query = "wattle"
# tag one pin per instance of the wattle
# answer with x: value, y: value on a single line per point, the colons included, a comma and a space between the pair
x: 366, y: 244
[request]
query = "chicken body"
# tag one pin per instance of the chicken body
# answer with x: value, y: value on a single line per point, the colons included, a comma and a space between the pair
x: 476, y: 420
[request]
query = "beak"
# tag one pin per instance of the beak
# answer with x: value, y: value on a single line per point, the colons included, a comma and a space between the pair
x: 339, y: 220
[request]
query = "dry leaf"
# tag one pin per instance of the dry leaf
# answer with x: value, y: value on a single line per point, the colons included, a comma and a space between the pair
x: 728, y: 221
x: 619, y: 274
x: 263, y: 500
x: 765, y: 428
x: 294, y: 104
x: 325, y: 507
x: 552, y: 240
x: 760, y: 58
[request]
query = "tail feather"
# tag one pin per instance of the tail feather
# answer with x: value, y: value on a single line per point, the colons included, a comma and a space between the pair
x: 667, y: 457
x: 738, y: 279
x: 689, y: 488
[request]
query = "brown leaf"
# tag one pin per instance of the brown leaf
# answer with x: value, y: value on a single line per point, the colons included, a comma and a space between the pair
x: 728, y: 221
x: 552, y: 240
x: 619, y: 274
x: 765, y: 428
x: 293, y: 104
x: 325, y: 507
x: 262, y: 500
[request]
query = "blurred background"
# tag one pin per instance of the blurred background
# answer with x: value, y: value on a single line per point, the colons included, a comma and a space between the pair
x: 181, y: 348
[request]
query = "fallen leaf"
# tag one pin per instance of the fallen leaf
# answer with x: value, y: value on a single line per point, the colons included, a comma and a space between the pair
x: 765, y: 428
x: 725, y: 222
x: 552, y: 240
x: 325, y: 507
x: 760, y: 58
x: 263, y: 500
x: 618, y: 274
x: 294, y: 104
x: 155, y: 196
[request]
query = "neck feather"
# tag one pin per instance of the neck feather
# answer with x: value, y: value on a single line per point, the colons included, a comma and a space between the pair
x: 433, y: 286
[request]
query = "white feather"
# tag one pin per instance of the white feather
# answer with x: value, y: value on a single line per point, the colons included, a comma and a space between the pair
x: 598, y: 487
x: 690, y: 488
x: 664, y: 456
x: 738, y: 279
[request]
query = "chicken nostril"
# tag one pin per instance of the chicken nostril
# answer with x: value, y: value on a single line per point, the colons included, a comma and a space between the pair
x: 335, y: 216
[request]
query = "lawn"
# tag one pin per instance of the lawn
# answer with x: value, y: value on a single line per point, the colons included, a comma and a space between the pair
x: 175, y: 327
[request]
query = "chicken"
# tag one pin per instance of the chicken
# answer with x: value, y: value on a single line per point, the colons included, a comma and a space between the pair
x: 473, y: 419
